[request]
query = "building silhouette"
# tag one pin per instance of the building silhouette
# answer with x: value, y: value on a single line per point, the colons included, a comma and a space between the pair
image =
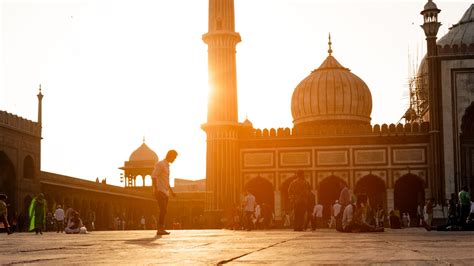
x: 21, y: 178
x: 332, y: 139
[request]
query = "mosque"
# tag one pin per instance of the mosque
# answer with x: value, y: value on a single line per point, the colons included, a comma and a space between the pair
x: 332, y: 139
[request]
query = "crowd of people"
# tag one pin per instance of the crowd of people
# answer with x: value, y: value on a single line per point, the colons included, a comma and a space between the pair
x: 460, y: 214
x: 40, y: 220
x: 349, y: 213
x: 250, y: 215
x: 68, y: 221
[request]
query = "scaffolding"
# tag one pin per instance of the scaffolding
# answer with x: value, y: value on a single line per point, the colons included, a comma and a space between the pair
x: 418, y: 92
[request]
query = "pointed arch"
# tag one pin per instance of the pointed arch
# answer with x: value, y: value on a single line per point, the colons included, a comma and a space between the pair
x: 329, y: 190
x: 28, y: 167
x: 467, y: 148
x: 467, y: 122
x: 8, y: 180
x: 374, y: 187
x: 262, y: 189
x: 409, y: 192
x: 285, y: 201
x: 139, y: 179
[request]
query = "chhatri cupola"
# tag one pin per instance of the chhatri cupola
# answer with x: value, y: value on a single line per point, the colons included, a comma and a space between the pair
x: 331, y: 95
x: 143, y: 153
x: 140, y: 164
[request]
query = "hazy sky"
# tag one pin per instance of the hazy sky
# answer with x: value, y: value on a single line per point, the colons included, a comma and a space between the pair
x: 114, y: 71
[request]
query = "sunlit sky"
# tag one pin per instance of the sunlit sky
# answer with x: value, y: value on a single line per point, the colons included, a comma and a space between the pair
x: 113, y: 72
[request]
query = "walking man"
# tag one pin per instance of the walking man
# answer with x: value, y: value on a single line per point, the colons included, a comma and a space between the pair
x: 59, y: 217
x: 335, y: 209
x: 4, y: 213
x: 298, y: 192
x: 162, y: 189
x: 249, y: 208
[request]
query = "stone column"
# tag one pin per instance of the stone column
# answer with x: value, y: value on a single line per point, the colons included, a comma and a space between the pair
x: 277, y: 195
x: 390, y: 199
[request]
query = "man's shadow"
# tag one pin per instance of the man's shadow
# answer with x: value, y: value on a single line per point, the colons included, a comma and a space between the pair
x: 149, y: 241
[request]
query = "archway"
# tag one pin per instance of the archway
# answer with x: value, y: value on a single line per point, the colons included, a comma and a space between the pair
x: 374, y: 188
x: 467, y: 121
x: 467, y: 149
x: 328, y: 193
x: 148, y: 181
x: 409, y: 192
x: 8, y: 181
x: 28, y: 168
x: 139, y: 181
x: 262, y: 189
x: 285, y: 201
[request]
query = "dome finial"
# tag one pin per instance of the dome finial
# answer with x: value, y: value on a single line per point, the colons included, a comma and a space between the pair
x: 330, y: 43
x: 143, y: 139
x: 40, y: 95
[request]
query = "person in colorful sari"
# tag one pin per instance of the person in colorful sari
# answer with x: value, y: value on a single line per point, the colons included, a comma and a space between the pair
x: 37, y: 213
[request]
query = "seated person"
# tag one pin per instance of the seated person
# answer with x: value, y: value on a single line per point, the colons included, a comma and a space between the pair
x: 347, y: 216
x: 394, y: 221
x: 467, y: 226
x: 74, y: 225
x: 359, y: 220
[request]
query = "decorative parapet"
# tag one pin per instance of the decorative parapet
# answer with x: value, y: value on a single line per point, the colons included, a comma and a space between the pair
x: 344, y: 130
x: 19, y: 123
x: 456, y: 49
x: 272, y: 132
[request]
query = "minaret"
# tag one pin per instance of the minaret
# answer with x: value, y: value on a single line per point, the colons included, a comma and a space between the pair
x: 40, y: 110
x: 223, y: 184
x: 221, y: 40
x: 40, y: 122
x: 436, y: 170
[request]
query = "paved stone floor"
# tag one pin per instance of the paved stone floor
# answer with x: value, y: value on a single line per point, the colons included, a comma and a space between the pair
x: 406, y: 246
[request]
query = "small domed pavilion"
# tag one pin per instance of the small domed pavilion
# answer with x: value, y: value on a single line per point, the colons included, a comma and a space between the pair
x: 140, y: 163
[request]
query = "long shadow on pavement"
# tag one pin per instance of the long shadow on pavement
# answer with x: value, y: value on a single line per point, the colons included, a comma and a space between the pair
x: 149, y: 241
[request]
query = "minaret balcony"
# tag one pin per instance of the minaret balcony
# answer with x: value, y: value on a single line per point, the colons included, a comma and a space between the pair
x: 221, y: 38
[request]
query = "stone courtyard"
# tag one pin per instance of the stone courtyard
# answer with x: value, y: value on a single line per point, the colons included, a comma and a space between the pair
x: 405, y: 246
